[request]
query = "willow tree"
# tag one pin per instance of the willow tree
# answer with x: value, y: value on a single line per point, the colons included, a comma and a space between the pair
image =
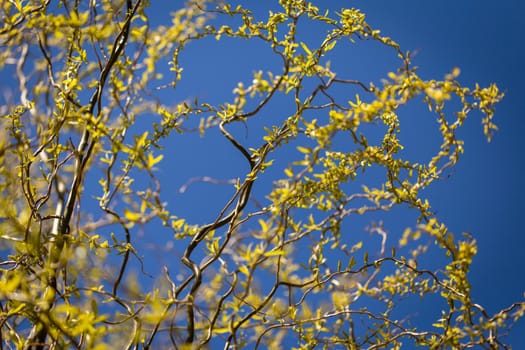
x: 93, y: 99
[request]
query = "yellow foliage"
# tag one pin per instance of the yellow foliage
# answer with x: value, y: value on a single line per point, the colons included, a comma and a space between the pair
x: 102, y: 88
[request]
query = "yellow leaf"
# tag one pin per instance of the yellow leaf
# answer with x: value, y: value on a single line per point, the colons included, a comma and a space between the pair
x: 244, y: 269
x: 304, y: 149
x: 141, y: 142
x: 131, y: 216
x: 221, y: 330
x: 274, y: 252
x: 177, y: 224
x: 305, y: 48
x: 154, y: 160
x: 263, y: 224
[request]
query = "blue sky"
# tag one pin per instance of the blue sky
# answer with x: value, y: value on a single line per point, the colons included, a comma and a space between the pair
x: 484, y: 194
